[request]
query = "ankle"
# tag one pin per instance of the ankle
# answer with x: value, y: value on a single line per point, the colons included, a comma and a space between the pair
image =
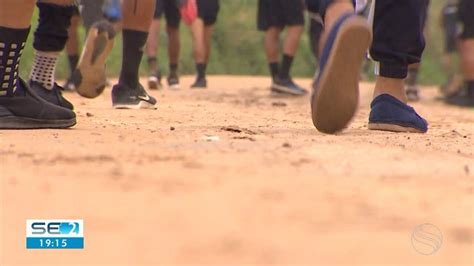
x: 391, y: 86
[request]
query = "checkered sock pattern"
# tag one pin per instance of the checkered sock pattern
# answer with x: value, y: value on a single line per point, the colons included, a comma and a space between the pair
x: 10, y: 54
x: 44, y: 67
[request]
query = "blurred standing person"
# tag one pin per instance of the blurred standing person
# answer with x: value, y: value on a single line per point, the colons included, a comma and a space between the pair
x: 465, y: 96
x: 273, y: 17
x: 412, y: 89
x: 172, y: 15
x: 200, y: 15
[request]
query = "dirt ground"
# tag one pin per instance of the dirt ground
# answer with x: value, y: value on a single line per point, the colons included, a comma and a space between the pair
x: 234, y: 176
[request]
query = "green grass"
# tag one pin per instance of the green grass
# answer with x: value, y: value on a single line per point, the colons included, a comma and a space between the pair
x: 238, y: 48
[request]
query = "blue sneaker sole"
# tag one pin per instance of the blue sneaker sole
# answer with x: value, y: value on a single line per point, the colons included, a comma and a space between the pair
x: 336, y: 91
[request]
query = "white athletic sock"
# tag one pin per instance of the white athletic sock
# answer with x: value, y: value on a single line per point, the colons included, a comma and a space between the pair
x: 44, y: 67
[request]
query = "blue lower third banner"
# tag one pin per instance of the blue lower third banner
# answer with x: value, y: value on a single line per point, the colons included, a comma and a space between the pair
x: 54, y: 242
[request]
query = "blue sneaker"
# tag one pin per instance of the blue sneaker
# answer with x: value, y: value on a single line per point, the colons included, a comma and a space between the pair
x: 336, y: 89
x: 390, y: 114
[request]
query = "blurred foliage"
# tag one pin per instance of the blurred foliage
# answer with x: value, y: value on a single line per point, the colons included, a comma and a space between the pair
x: 238, y: 47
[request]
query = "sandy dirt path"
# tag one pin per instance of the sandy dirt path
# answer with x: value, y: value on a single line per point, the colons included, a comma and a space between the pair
x: 233, y: 176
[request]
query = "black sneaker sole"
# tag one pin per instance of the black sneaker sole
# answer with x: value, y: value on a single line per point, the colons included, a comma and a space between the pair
x: 14, y: 122
x: 337, y: 96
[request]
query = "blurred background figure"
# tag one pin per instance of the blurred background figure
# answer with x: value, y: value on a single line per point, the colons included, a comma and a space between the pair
x: 464, y: 96
x: 451, y: 30
x: 201, y: 29
x: 273, y: 17
x: 315, y: 26
x: 170, y: 9
x: 412, y: 89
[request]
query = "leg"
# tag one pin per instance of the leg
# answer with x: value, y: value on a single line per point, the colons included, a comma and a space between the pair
x: 89, y: 77
x: 137, y: 17
x: 91, y: 12
x: 343, y: 47
x: 72, y: 44
x: 154, y: 76
x: 50, y: 39
x: 207, y: 17
x: 173, y: 19
x: 389, y: 111
x: 271, y: 44
x: 467, y: 46
x: 174, y: 47
x: 411, y: 83
x: 291, y: 15
x: 290, y: 48
x: 19, y: 106
x: 208, y: 30
x: 199, y: 50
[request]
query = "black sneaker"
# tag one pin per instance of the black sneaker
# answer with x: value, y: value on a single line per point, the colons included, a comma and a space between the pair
x: 173, y: 82
x: 124, y: 97
x: 200, y: 83
x: 464, y: 98
x: 413, y: 93
x: 53, y: 96
x: 287, y: 86
x: 26, y: 110
x: 69, y: 86
x: 154, y: 82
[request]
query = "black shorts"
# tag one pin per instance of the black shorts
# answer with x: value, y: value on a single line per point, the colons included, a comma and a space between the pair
x: 280, y: 13
x: 76, y: 11
x: 313, y: 5
x: 466, y: 15
x: 171, y: 11
x: 208, y: 11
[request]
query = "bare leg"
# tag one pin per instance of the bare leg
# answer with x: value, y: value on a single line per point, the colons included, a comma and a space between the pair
x: 17, y: 15
x: 174, y: 44
x: 199, y: 47
x: 208, y: 30
x: 152, y: 46
x: 138, y: 14
x: 271, y: 43
x: 72, y: 45
x: 292, y: 40
x: 467, y: 59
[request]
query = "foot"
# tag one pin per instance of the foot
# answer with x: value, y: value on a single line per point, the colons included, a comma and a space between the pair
x: 452, y: 87
x: 69, y: 86
x: 336, y: 89
x: 154, y: 82
x: 26, y: 110
x: 53, y: 96
x: 200, y: 83
x: 390, y: 114
x: 464, y: 98
x: 125, y: 97
x: 413, y: 93
x: 89, y: 77
x: 173, y: 82
x: 288, y: 87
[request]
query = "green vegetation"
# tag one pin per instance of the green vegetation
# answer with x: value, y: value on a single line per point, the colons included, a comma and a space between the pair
x: 238, y: 47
